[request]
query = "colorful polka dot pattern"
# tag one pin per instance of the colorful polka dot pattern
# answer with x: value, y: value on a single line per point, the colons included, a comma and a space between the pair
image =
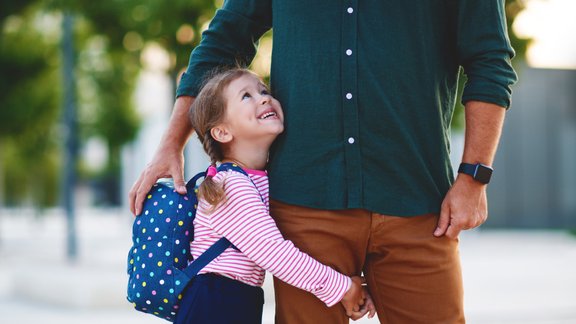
x: 161, y: 238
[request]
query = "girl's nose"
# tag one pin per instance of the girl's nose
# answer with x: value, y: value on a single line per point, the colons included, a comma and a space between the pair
x: 264, y: 99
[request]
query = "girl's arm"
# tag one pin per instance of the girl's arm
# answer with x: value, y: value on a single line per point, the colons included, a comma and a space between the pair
x: 244, y: 220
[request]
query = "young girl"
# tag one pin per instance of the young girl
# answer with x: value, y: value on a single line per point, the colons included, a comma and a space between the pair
x: 236, y: 120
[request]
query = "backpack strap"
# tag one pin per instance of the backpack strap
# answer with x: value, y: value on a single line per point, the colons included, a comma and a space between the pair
x: 222, y: 244
x: 212, y: 253
x: 231, y: 166
x: 191, y: 184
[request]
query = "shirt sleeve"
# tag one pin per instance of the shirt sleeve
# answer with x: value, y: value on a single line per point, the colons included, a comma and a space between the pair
x: 244, y: 220
x: 485, y: 52
x: 231, y: 39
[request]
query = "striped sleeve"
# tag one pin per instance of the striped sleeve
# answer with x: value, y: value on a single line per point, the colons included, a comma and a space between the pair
x: 244, y: 220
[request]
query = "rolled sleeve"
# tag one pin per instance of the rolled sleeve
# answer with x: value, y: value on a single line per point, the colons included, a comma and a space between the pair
x: 485, y: 52
x: 231, y: 39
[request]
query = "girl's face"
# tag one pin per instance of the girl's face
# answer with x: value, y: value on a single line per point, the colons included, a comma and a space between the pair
x: 251, y: 112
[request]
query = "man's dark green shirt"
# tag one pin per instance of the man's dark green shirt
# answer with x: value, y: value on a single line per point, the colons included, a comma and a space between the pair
x: 368, y: 90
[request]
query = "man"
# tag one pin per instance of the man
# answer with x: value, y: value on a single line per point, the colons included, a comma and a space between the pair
x: 361, y: 178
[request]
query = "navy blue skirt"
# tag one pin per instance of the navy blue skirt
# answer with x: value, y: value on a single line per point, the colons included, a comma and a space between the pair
x: 213, y: 299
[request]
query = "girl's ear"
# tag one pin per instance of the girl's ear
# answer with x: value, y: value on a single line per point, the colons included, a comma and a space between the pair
x: 221, y: 134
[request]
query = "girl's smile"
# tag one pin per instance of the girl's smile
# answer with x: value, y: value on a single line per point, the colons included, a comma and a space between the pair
x: 269, y: 114
x: 251, y: 111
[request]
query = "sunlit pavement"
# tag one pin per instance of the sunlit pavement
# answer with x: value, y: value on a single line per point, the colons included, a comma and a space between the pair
x: 509, y: 276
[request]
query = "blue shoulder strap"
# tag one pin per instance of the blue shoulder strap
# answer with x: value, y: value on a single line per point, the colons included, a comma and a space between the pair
x: 200, y: 262
x: 231, y: 166
x: 222, y: 244
x: 191, y: 184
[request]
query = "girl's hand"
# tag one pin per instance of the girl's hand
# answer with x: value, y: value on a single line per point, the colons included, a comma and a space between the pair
x: 354, y: 298
x: 367, y: 308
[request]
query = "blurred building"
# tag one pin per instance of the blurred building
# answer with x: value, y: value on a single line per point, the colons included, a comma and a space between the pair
x: 534, y: 184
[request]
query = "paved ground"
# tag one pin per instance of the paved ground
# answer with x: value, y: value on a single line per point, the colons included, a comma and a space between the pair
x: 509, y: 276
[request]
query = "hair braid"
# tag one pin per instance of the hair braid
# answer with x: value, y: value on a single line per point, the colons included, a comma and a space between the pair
x: 212, y: 148
x: 211, y: 191
x: 208, y: 111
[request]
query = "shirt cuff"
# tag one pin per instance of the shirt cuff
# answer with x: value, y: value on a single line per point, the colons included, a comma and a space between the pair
x: 189, y: 85
x: 335, y: 289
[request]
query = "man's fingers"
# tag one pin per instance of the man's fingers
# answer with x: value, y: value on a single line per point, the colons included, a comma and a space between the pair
x: 143, y: 189
x: 132, y: 195
x: 443, y: 221
x: 453, y: 231
x: 179, y: 183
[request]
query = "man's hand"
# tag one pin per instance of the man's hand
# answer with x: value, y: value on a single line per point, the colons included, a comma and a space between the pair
x: 464, y: 207
x: 165, y: 164
x: 354, y: 297
x: 465, y: 204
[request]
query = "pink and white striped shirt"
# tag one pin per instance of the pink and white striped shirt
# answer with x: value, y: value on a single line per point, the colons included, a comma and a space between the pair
x: 245, y: 221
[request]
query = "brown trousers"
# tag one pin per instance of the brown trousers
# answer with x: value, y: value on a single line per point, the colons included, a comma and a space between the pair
x: 413, y: 277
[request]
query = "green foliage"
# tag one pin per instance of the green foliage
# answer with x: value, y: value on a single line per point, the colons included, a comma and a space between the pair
x: 520, y: 45
x: 8, y: 8
x: 121, y: 30
x: 33, y: 163
x: 130, y: 24
x: 105, y: 98
x: 29, y: 101
x: 109, y: 39
x: 29, y: 107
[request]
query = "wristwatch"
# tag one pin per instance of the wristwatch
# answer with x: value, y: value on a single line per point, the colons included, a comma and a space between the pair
x: 480, y: 172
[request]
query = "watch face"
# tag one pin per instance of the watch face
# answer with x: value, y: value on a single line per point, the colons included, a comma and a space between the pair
x: 483, y: 173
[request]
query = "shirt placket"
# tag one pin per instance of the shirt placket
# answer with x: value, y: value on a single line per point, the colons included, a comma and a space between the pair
x: 349, y: 95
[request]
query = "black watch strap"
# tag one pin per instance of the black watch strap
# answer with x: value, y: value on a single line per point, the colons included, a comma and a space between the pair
x: 480, y: 172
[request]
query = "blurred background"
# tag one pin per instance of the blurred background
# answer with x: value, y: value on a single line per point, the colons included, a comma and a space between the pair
x: 86, y: 90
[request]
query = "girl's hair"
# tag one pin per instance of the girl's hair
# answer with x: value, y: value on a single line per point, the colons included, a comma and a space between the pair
x: 207, y: 112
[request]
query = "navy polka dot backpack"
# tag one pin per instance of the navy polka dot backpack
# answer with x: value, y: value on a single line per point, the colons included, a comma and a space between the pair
x: 158, y: 262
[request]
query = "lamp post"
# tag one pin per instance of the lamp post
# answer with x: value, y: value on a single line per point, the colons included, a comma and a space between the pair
x: 70, y: 134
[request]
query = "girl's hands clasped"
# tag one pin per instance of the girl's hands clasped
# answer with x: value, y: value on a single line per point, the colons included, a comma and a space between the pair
x: 357, y: 301
x: 367, y: 308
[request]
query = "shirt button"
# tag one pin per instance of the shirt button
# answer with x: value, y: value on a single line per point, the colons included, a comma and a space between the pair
x: 351, y: 140
x: 350, y: 10
x: 348, y: 96
x: 348, y: 52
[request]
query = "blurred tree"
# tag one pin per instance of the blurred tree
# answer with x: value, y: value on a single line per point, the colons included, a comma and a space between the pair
x: 110, y: 36
x: 121, y: 30
x: 29, y: 106
x: 8, y: 8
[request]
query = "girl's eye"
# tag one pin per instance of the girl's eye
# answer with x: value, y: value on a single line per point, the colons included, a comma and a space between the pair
x: 265, y: 92
x: 246, y: 95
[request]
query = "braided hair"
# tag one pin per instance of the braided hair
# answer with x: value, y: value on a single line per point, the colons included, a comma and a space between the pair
x: 207, y: 112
